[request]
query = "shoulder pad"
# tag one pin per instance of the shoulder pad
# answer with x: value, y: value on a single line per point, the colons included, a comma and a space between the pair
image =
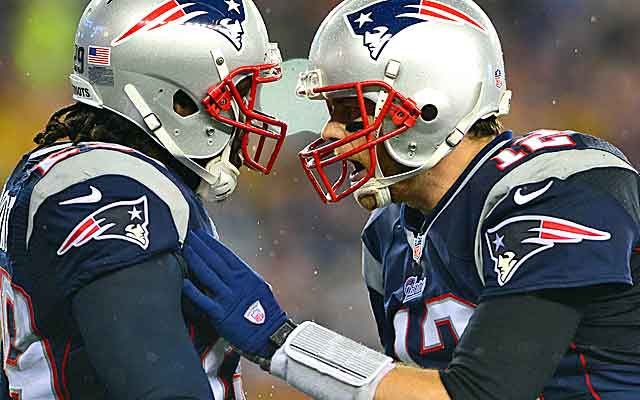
x: 78, y: 164
x: 587, y: 154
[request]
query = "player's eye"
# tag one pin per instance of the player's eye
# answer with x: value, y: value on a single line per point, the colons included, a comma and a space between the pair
x: 244, y: 86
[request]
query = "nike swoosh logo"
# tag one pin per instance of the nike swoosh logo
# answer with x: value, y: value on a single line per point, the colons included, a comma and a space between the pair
x: 94, y: 197
x: 522, y: 199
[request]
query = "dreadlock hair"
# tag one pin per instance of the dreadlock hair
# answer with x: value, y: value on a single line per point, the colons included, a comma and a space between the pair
x: 80, y: 122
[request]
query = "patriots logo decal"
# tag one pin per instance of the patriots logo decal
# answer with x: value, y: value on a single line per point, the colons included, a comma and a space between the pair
x: 517, y: 239
x: 378, y: 23
x: 226, y: 17
x: 123, y: 220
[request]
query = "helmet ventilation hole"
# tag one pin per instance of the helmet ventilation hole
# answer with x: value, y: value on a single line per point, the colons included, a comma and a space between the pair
x: 429, y: 112
x: 183, y: 104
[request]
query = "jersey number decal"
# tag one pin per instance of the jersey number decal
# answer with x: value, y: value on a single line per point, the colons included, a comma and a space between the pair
x: 78, y: 60
x: 20, y: 338
x: 533, y: 142
x: 444, y: 311
x: 6, y: 204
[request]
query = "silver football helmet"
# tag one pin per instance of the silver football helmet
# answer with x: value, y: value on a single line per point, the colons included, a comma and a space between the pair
x: 140, y: 58
x: 433, y: 68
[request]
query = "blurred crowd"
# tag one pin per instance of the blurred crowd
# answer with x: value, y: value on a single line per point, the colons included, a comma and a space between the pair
x: 572, y: 64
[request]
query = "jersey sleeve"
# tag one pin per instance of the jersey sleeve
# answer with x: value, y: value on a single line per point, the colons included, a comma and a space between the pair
x: 574, y: 231
x: 101, y: 211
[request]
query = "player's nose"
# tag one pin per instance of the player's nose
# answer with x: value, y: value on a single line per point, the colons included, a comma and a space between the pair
x: 334, y: 130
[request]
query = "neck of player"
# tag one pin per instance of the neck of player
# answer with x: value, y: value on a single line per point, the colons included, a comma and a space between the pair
x: 424, y: 192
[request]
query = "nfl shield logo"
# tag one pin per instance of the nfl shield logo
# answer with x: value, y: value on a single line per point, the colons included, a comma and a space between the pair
x: 499, y: 81
x: 418, y: 247
x: 255, y: 313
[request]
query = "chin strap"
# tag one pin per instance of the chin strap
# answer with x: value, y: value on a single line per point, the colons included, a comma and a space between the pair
x: 228, y: 177
x: 220, y: 177
x: 378, y: 186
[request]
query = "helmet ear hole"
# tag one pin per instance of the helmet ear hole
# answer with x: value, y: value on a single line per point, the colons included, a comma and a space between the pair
x: 429, y: 113
x: 183, y: 104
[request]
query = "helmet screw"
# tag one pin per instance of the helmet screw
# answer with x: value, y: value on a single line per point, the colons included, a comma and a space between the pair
x: 210, y: 132
x: 413, y: 147
x: 219, y: 60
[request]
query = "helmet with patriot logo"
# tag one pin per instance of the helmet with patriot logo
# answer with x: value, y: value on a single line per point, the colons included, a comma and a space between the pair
x: 188, y: 73
x: 432, y: 67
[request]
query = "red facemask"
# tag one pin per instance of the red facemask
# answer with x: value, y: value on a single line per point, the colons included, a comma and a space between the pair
x: 320, y: 154
x: 220, y: 99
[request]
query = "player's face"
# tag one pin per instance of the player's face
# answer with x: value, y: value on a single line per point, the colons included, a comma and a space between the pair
x: 346, y: 119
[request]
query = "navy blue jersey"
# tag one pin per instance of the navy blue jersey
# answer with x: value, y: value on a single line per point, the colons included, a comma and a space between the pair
x: 70, y: 214
x: 550, y: 210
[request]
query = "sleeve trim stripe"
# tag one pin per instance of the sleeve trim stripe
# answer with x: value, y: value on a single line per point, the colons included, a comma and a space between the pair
x: 587, y: 379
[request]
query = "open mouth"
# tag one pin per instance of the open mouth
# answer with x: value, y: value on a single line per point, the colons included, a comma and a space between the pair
x: 358, y: 171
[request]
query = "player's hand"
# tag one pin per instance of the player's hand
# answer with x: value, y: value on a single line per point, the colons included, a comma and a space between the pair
x: 238, y: 301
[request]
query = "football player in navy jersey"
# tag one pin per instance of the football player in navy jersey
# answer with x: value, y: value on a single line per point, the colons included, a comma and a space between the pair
x: 93, y: 221
x: 498, y: 267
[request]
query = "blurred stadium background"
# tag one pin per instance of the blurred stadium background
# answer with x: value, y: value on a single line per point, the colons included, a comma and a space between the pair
x: 572, y: 64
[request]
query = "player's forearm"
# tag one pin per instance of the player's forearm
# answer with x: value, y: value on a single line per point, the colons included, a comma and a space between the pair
x: 409, y: 383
